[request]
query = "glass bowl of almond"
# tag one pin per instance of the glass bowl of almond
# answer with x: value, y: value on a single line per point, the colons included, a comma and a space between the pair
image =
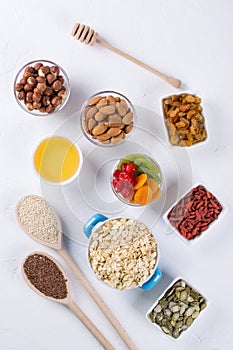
x: 107, y: 118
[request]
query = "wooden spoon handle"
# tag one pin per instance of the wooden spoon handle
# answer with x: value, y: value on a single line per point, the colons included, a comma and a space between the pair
x: 87, y: 322
x: 96, y: 297
x: 172, y: 81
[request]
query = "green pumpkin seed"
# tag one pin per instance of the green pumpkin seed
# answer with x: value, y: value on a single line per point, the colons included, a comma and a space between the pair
x: 183, y: 295
x: 176, y: 333
x: 158, y: 308
x: 189, y: 321
x: 175, y: 316
x: 195, y: 314
x: 189, y: 311
x: 165, y: 330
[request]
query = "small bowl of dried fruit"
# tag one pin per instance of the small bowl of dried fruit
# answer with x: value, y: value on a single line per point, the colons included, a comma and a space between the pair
x: 184, y: 120
x: 41, y: 87
x: 137, y: 179
x: 107, y: 118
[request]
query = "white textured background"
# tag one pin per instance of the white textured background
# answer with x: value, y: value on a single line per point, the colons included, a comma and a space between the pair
x: 192, y: 40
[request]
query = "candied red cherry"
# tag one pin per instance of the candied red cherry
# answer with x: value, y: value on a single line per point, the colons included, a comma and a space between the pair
x: 116, y: 173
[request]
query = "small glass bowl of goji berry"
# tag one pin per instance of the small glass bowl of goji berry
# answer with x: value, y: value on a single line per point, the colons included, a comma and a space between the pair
x: 137, y: 179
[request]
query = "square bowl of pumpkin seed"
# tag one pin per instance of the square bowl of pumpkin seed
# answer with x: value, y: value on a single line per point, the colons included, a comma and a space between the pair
x: 184, y: 120
x: 177, y: 308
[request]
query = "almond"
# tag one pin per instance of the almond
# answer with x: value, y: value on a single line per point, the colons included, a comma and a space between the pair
x: 113, y: 132
x: 121, y: 108
x: 94, y: 100
x: 110, y: 109
x: 128, y: 118
x: 102, y: 102
x: 116, y: 125
x: 91, y: 112
x: 99, y: 129
x: 99, y: 116
x: 128, y: 128
x: 91, y: 123
x: 115, y: 140
x: 111, y: 99
x: 103, y: 137
x: 114, y: 118
x: 117, y: 99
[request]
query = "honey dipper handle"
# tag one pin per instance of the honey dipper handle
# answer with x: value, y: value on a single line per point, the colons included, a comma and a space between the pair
x: 87, y: 322
x: 172, y: 81
x: 99, y: 301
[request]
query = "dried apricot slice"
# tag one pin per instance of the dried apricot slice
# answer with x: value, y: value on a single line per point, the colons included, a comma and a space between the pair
x: 143, y: 195
x: 152, y: 184
x: 141, y: 180
x: 156, y: 195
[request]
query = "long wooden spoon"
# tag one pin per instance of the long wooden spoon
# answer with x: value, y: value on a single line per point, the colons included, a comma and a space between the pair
x: 40, y: 221
x: 46, y: 276
x: 86, y: 35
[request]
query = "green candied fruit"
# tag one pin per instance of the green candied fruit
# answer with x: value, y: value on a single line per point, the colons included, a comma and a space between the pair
x: 143, y: 165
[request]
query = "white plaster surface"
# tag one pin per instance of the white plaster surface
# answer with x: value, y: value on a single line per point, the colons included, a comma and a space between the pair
x: 189, y: 39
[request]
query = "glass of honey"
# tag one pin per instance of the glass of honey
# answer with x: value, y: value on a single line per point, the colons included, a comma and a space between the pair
x: 57, y: 160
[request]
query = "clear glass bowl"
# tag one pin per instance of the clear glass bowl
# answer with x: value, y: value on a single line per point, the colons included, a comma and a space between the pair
x: 136, y: 180
x: 66, y: 84
x: 108, y: 118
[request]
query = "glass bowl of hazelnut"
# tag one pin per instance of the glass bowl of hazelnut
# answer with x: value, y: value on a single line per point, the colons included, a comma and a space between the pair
x: 41, y: 87
x: 108, y: 118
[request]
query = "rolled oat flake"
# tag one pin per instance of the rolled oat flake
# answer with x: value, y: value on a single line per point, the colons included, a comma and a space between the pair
x: 45, y: 276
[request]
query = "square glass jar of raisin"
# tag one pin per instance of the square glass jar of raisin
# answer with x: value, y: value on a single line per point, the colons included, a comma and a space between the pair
x: 184, y: 120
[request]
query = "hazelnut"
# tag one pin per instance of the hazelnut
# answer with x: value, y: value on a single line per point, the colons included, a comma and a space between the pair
x: 62, y: 94
x: 50, y: 78
x: 28, y: 87
x: 45, y: 101
x: 55, y: 70
x: 48, y: 91
x: 56, y: 101
x: 50, y: 109
x: 21, y: 95
x: 61, y: 79
x: 29, y: 69
x: 29, y: 96
x: 43, y: 71
x: 37, y: 66
x: 42, y: 109
x: 29, y: 106
x: 27, y: 75
x: 41, y: 79
x: 36, y: 105
x: 23, y: 81
x: 57, y: 85
x: 31, y: 81
x: 18, y: 87
x: 36, y: 97
x: 41, y: 87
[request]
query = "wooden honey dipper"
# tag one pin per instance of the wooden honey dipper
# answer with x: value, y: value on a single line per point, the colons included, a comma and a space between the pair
x: 88, y: 36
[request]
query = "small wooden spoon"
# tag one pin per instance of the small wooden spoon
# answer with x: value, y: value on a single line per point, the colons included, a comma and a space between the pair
x: 37, y: 211
x: 86, y: 35
x: 44, y: 279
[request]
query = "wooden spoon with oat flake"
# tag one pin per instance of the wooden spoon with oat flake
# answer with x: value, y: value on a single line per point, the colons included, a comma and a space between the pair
x: 40, y: 221
x: 45, y: 276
